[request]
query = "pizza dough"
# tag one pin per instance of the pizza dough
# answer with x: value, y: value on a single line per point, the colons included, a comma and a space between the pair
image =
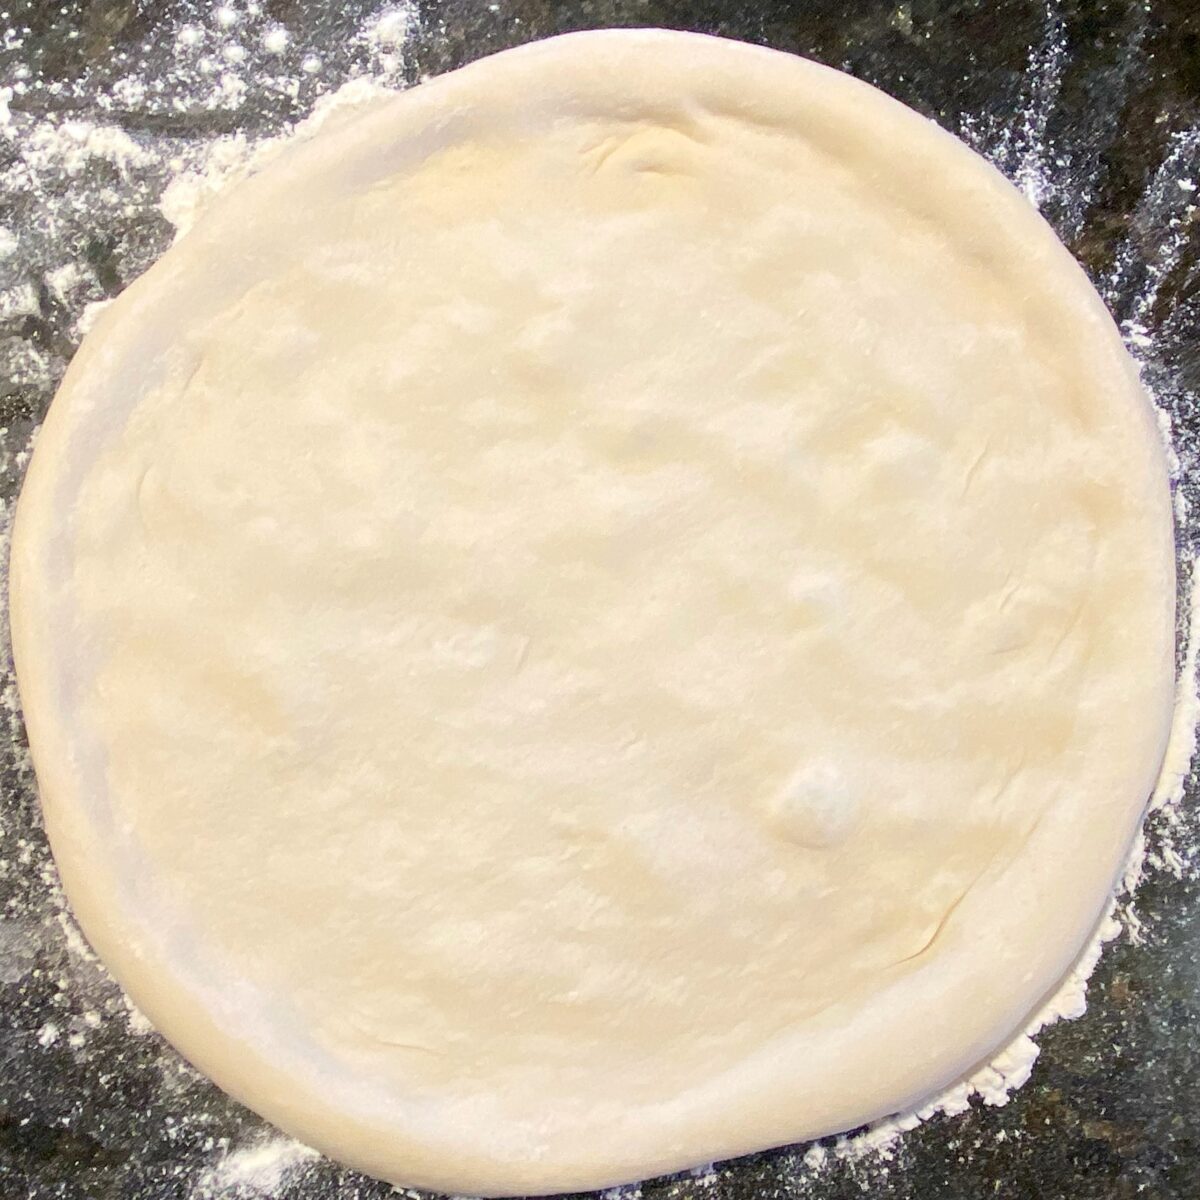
x: 613, y: 611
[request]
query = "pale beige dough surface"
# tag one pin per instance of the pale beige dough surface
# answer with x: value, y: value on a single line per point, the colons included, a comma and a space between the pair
x: 614, y: 610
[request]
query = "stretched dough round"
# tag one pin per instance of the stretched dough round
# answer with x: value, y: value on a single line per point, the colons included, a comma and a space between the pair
x: 612, y: 611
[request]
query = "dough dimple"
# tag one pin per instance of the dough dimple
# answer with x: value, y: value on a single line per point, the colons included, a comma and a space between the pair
x: 817, y: 807
x: 626, y: 620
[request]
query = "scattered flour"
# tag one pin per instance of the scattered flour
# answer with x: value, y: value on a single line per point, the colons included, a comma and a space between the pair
x: 257, y: 1169
x: 391, y: 27
x: 73, y: 146
x: 19, y: 941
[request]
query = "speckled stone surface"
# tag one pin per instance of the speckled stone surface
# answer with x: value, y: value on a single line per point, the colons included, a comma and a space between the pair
x: 1092, y: 107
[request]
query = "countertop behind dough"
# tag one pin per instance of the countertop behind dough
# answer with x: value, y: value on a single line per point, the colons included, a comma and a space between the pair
x: 1092, y: 107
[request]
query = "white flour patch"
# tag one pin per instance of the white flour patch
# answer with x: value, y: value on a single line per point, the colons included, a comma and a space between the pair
x: 1023, y: 148
x: 1059, y: 175
x: 1018, y: 146
x: 628, y: 1191
x: 391, y: 27
x: 257, y: 1169
x: 1143, y: 266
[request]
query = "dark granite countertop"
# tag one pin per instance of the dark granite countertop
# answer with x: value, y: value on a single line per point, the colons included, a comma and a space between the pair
x: 1093, y: 106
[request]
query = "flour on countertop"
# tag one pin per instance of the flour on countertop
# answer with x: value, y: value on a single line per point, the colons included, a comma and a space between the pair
x: 147, y: 138
x: 86, y: 180
x: 257, y: 1168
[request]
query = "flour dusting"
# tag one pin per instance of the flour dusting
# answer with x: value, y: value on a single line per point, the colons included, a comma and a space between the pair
x: 258, y: 1168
